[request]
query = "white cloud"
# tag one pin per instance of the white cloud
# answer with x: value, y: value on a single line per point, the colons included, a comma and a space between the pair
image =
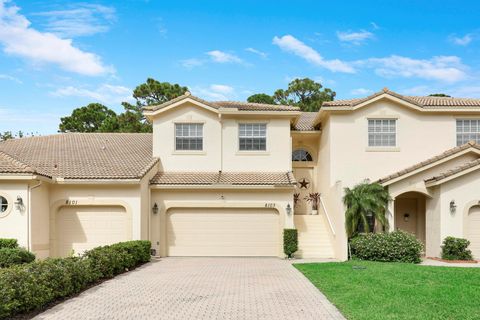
x: 290, y: 44
x: 257, y: 52
x: 106, y: 93
x: 356, y: 38
x: 8, y: 77
x: 192, y: 63
x: 374, y: 25
x: 215, y: 92
x: 441, y: 68
x: 360, y: 91
x: 81, y: 19
x: 223, y: 57
x: 462, y: 41
x: 19, y: 39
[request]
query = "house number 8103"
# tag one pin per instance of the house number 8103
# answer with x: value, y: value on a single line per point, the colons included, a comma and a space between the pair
x: 269, y: 205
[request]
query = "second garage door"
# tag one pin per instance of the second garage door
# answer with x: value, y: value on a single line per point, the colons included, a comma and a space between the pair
x: 80, y: 228
x: 473, y: 231
x: 222, y: 232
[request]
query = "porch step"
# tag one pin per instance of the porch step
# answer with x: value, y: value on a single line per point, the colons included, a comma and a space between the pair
x: 314, y: 238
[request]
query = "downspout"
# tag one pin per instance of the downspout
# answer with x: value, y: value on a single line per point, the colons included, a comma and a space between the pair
x: 29, y: 213
x: 221, y: 142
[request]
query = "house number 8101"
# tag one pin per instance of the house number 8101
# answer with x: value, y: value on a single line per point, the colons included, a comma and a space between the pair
x: 71, y: 202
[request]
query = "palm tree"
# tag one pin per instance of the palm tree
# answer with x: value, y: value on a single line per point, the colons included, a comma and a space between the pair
x: 363, y: 201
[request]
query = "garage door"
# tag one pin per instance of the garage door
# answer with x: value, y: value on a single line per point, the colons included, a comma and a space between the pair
x: 473, y: 231
x: 222, y: 232
x: 81, y: 228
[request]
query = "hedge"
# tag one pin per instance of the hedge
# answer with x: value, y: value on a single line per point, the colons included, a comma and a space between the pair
x: 8, y: 243
x: 32, y: 286
x: 397, y: 246
x: 13, y: 256
x: 456, y: 249
x: 290, y: 242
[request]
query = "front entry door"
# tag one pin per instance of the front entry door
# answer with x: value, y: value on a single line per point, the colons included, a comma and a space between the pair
x: 304, y: 177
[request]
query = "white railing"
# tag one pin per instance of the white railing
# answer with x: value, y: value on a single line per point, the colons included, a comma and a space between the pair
x: 328, y: 217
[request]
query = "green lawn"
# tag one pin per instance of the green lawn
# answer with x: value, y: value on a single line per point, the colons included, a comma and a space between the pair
x: 375, y: 290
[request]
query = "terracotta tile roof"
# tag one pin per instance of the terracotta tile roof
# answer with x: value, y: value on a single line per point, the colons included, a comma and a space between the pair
x: 424, y: 102
x: 454, y: 171
x: 305, y: 122
x: 242, y: 106
x: 8, y: 164
x: 84, y: 155
x: 429, y: 161
x: 224, y: 178
x: 248, y: 106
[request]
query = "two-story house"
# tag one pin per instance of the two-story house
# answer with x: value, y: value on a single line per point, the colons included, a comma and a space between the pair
x: 225, y: 178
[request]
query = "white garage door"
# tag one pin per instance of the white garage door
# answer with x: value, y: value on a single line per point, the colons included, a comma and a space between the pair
x: 473, y: 231
x: 222, y: 232
x: 81, y: 228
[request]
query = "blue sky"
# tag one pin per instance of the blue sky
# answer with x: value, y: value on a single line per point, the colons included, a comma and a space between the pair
x: 59, y: 55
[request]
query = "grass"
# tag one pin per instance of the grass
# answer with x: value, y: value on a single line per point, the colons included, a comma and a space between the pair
x: 376, y: 290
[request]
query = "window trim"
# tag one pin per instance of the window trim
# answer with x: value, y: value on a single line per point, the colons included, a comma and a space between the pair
x: 394, y: 148
x: 252, y: 152
x: 470, y: 132
x: 9, y: 205
x: 175, y: 150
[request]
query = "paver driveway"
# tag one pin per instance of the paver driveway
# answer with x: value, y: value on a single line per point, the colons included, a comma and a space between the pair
x: 202, y: 288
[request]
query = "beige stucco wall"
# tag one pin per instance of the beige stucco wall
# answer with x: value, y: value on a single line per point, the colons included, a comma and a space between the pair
x: 220, y: 142
x: 15, y: 223
x: 198, y: 198
x: 40, y: 221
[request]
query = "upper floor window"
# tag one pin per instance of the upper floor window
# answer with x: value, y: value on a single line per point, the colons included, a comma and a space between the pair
x: 382, y: 132
x: 301, y: 155
x: 468, y: 130
x: 189, y: 136
x: 252, y: 136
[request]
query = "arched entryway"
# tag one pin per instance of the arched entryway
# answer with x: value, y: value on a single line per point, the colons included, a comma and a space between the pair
x: 410, y: 208
x: 472, y: 230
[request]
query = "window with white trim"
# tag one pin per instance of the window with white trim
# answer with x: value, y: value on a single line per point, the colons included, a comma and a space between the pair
x: 382, y: 132
x: 468, y: 130
x: 189, y: 136
x: 252, y: 136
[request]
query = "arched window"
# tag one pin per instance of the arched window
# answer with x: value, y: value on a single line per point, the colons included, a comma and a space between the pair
x: 301, y: 155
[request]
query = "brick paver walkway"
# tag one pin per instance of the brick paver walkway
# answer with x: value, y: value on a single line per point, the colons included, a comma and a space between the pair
x: 202, y: 288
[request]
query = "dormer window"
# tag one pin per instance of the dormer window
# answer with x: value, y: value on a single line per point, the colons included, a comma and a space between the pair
x: 189, y: 136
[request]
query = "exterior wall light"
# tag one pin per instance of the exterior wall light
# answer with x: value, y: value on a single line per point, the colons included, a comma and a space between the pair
x: 406, y: 217
x: 19, y: 203
x: 155, y: 208
x: 453, y: 207
x: 289, y: 209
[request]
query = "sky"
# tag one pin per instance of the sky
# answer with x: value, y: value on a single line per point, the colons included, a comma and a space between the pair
x: 59, y: 55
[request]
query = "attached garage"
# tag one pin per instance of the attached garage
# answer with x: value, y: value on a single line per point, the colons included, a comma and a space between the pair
x: 473, y: 231
x: 223, y: 232
x: 81, y: 228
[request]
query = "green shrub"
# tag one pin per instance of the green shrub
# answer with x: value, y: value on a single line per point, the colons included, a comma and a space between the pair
x: 397, y: 246
x: 290, y: 241
x: 456, y: 249
x: 8, y: 243
x: 13, y: 256
x: 32, y: 286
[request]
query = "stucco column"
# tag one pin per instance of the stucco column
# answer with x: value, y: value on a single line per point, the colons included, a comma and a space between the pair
x: 391, y: 215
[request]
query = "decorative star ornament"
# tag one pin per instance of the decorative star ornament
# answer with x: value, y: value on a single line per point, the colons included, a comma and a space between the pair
x: 303, y: 183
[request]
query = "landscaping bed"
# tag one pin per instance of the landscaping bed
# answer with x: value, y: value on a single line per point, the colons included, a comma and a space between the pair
x: 377, y: 290
x: 33, y: 286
